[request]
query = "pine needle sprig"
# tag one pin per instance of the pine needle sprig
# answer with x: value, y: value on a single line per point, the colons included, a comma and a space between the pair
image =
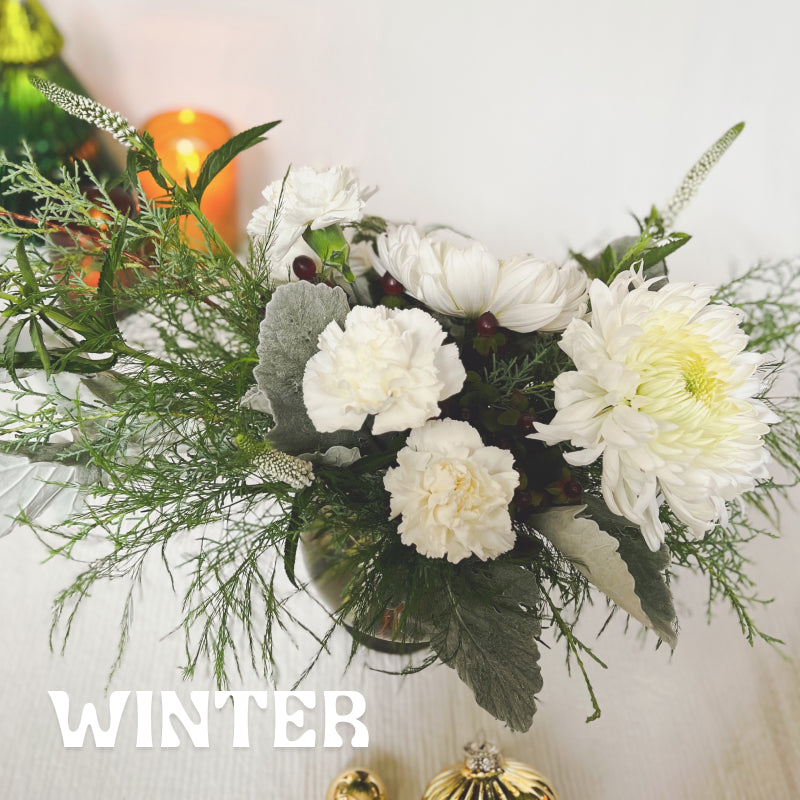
x: 721, y: 557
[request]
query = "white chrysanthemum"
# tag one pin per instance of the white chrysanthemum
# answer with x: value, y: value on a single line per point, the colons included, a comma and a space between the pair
x: 386, y: 362
x: 461, y: 278
x: 663, y: 390
x: 308, y: 198
x: 452, y: 275
x: 453, y: 492
x: 537, y: 295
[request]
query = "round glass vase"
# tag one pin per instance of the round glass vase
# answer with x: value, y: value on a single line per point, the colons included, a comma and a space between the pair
x: 330, y: 572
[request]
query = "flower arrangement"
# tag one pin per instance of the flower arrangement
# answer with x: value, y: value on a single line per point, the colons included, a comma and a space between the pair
x: 483, y: 444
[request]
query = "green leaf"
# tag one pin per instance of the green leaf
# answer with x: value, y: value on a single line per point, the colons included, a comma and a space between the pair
x: 37, y: 338
x: 509, y: 416
x: 9, y: 350
x: 105, y: 286
x: 290, y: 557
x: 331, y: 246
x: 616, y: 560
x: 29, y: 283
x: 485, y: 627
x: 294, y: 318
x: 218, y: 159
x: 663, y: 248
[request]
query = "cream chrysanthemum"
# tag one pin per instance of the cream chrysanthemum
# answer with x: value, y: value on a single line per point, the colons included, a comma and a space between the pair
x: 453, y: 492
x: 461, y: 278
x: 664, y: 392
x: 388, y: 362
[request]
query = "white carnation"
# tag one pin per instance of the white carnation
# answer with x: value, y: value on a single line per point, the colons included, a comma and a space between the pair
x: 461, y: 278
x: 387, y: 362
x: 664, y: 391
x: 307, y: 198
x: 453, y: 492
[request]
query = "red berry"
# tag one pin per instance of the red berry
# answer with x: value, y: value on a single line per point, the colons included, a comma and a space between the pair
x: 305, y: 268
x: 390, y: 284
x: 487, y: 324
x: 573, y: 489
x: 525, y: 422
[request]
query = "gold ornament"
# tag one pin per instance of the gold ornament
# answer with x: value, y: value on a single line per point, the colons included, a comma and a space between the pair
x: 486, y: 775
x: 356, y: 784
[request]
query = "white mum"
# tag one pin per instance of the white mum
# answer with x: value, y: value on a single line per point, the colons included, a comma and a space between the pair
x: 462, y: 278
x: 453, y: 492
x: 387, y: 362
x: 663, y: 390
x: 308, y: 198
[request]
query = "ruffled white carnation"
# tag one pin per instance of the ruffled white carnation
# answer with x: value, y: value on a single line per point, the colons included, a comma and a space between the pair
x: 387, y: 362
x: 461, y: 278
x: 453, y: 492
x: 664, y: 391
x: 308, y: 198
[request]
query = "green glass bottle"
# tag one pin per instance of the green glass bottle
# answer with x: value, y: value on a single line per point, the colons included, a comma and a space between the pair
x: 30, y: 44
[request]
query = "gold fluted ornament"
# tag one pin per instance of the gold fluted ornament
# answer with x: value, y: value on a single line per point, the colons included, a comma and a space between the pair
x: 356, y: 784
x: 486, y: 775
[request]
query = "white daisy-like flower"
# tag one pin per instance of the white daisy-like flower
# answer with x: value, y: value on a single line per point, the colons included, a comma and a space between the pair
x: 452, y: 275
x: 388, y: 362
x: 453, y: 492
x: 307, y: 198
x: 664, y: 392
x: 536, y: 295
x: 461, y: 278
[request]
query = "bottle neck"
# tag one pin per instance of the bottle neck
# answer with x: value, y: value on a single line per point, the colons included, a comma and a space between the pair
x: 27, y: 34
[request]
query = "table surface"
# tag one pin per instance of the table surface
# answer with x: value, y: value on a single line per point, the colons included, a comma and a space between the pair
x: 534, y: 127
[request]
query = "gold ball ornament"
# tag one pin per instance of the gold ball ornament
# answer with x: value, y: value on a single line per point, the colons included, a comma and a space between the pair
x: 356, y: 784
x: 486, y: 775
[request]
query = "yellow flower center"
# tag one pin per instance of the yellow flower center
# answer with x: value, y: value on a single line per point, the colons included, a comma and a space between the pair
x: 700, y: 382
x: 684, y: 381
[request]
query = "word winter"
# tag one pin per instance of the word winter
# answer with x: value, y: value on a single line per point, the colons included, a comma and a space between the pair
x: 197, y: 729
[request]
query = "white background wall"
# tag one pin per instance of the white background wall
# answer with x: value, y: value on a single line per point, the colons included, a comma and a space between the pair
x: 535, y: 127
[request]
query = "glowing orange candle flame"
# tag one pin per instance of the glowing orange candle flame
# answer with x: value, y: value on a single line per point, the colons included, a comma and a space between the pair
x: 183, y: 139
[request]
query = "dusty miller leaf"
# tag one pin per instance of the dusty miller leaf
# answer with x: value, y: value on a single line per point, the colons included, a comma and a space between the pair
x: 491, y: 643
x: 294, y: 318
x: 620, y: 565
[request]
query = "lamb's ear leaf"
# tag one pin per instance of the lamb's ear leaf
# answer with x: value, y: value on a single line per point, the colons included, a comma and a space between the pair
x: 294, y: 318
x: 617, y: 561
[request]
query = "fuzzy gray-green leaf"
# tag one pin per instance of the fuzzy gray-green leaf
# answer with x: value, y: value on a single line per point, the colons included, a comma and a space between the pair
x: 294, y: 318
x: 611, y: 553
x: 486, y: 629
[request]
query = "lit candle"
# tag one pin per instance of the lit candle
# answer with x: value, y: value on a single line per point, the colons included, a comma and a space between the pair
x: 183, y: 139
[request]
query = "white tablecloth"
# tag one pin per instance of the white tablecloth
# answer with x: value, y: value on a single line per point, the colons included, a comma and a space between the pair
x: 535, y: 127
